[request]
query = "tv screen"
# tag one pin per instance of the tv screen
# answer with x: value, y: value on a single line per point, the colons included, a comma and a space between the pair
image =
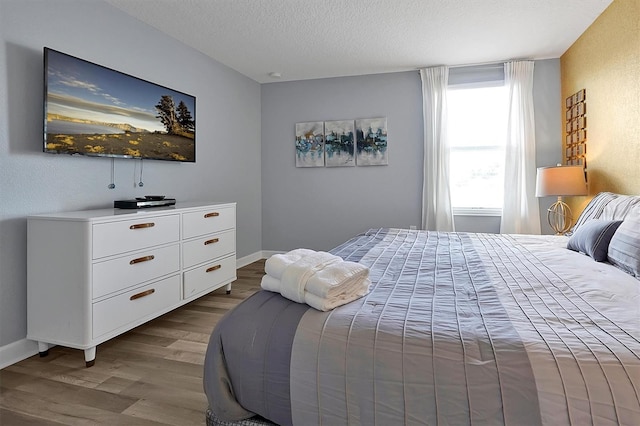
x: 93, y: 110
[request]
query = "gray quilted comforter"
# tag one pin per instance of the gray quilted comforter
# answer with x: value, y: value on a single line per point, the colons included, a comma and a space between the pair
x: 458, y: 329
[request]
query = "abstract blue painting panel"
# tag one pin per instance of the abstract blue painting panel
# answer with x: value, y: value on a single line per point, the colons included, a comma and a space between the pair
x: 310, y: 144
x: 371, y: 142
x: 339, y: 143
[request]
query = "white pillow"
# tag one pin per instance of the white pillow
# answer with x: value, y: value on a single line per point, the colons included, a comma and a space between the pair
x: 624, y: 248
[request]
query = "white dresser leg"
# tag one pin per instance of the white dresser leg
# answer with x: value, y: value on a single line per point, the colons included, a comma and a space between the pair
x: 43, y: 349
x: 228, y: 288
x: 90, y: 356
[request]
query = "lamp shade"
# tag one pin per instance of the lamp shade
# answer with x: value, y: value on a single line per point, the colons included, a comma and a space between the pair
x: 560, y: 181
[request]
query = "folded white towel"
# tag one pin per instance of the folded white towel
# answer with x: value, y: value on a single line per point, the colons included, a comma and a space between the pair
x: 326, y: 304
x: 271, y: 284
x: 337, y: 279
x: 317, y: 302
x: 295, y: 276
x: 319, y: 279
x: 276, y: 264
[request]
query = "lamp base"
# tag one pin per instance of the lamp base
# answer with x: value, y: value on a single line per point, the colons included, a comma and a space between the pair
x: 560, y: 217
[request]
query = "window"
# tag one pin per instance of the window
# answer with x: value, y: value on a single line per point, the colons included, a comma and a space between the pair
x: 477, y: 129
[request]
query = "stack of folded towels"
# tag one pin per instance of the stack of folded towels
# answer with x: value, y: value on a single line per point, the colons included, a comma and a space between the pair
x: 319, y: 279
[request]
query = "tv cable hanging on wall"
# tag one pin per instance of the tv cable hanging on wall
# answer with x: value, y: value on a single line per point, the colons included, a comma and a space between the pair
x: 112, y: 185
x: 139, y: 183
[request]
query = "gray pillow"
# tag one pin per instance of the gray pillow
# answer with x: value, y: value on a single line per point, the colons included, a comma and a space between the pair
x: 624, y: 249
x: 593, y: 237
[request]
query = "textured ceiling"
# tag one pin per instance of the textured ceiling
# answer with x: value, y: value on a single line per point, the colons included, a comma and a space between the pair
x: 305, y: 39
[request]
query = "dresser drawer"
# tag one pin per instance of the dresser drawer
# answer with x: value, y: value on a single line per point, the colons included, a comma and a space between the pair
x: 209, y: 276
x: 135, y: 234
x: 208, y: 221
x: 117, y: 274
x: 207, y: 248
x: 135, y: 306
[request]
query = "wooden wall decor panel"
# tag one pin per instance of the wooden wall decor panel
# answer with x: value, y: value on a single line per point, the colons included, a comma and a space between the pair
x: 575, y: 146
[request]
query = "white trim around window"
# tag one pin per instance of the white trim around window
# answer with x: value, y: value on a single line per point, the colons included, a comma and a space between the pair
x: 477, y: 211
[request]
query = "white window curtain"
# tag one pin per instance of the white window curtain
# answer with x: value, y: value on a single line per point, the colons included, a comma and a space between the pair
x: 520, y: 213
x: 437, y: 214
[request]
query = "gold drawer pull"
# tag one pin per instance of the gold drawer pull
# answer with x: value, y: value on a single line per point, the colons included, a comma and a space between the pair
x: 214, y: 214
x: 213, y: 241
x: 214, y: 268
x: 143, y: 294
x: 142, y: 259
x: 142, y: 225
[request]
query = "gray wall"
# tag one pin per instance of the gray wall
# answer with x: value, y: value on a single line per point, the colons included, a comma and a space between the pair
x: 320, y: 207
x: 227, y: 118
x: 549, y: 115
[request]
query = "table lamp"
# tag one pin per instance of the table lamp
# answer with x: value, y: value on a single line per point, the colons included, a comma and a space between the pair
x: 560, y: 181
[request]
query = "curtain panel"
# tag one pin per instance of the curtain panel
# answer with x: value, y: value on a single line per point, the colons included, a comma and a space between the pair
x: 520, y: 212
x: 437, y: 213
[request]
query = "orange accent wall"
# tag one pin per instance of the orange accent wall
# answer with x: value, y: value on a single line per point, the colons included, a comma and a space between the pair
x: 605, y: 61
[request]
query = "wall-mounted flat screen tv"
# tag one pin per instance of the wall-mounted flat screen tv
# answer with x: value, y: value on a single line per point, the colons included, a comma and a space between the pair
x: 93, y: 110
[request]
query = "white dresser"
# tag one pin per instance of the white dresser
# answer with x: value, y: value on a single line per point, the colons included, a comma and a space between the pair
x: 94, y: 274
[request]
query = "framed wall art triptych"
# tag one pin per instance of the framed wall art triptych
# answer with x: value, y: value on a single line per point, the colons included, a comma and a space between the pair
x: 342, y: 143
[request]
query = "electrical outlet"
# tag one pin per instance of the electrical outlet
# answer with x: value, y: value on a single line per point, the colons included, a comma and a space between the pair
x: 412, y: 227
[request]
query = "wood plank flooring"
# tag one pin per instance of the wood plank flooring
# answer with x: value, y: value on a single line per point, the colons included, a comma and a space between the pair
x: 151, y: 375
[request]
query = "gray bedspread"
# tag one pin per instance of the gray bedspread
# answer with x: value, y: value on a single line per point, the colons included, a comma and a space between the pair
x: 458, y: 329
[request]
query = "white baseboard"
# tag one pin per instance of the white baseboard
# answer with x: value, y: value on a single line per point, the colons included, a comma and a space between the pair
x: 264, y: 254
x: 268, y: 253
x: 23, y: 349
x: 16, y: 352
x: 244, y: 261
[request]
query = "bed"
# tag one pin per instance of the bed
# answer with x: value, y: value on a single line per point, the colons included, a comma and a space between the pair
x: 457, y: 329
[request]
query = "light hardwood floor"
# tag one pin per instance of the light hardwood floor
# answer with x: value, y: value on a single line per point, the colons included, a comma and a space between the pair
x: 151, y: 375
